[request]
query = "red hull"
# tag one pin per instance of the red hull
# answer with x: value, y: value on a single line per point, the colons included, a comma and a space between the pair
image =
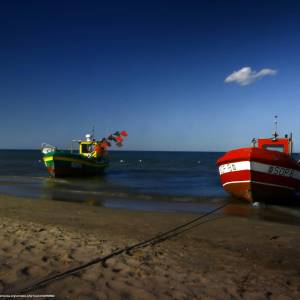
x: 256, y: 174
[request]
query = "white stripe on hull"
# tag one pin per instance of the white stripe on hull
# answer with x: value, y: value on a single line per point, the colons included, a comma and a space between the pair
x: 259, y: 167
x: 262, y: 183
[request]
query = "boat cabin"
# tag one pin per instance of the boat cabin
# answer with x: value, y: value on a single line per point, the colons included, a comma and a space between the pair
x: 284, y: 145
x: 87, y: 149
x: 90, y: 148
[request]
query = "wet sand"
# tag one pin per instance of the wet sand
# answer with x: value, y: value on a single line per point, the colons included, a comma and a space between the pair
x: 225, y: 258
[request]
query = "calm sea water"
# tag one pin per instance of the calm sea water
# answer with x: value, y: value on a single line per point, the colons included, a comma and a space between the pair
x: 152, y: 181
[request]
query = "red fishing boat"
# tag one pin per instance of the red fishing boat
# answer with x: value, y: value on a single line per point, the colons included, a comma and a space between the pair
x: 264, y: 172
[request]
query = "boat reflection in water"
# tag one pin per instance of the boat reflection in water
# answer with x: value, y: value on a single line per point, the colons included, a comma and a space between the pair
x: 265, y: 212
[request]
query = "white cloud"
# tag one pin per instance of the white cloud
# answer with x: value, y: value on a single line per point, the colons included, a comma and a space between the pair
x: 247, y: 76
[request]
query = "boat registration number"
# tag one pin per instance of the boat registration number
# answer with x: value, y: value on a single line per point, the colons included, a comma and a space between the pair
x: 75, y: 165
x: 281, y: 171
x: 227, y: 168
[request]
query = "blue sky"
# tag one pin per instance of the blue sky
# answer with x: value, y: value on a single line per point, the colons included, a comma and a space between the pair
x: 154, y: 68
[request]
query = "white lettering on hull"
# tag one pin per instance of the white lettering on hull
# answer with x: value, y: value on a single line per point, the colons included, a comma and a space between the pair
x: 259, y: 167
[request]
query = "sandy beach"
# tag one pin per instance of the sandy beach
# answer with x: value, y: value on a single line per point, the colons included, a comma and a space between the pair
x: 225, y: 258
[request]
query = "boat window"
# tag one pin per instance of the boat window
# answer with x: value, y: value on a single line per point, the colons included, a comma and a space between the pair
x: 279, y: 148
x: 85, y: 148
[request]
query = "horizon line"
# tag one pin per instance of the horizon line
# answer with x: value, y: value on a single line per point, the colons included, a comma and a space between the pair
x: 13, y: 149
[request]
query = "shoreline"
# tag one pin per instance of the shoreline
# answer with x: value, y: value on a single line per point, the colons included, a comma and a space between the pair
x: 226, y: 258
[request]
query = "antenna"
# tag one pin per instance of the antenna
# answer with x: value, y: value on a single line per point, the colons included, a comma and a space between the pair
x: 93, y: 132
x: 275, y: 134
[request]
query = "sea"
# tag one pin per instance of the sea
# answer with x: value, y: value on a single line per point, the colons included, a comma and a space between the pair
x: 184, y: 182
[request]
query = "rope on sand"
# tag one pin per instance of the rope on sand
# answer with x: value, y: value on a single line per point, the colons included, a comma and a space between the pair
x: 151, y: 241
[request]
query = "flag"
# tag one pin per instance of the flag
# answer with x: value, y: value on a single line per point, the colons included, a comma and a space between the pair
x: 124, y: 133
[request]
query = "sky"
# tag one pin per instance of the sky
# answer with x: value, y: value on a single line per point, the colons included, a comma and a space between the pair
x: 177, y: 75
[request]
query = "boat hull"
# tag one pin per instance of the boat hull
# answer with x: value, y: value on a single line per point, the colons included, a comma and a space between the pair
x: 255, y: 174
x: 64, y: 164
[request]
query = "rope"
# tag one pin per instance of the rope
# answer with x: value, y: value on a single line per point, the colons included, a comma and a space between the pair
x: 151, y: 241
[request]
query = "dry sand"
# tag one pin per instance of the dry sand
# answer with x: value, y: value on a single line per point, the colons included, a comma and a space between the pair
x: 226, y: 258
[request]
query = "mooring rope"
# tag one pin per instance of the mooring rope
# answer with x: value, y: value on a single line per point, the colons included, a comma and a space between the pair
x: 151, y: 241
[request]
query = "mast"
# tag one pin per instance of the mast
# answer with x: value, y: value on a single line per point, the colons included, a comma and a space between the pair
x: 291, y: 143
x: 275, y: 134
x: 93, y: 132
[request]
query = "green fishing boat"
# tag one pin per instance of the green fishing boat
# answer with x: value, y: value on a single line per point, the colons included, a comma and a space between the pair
x: 91, y: 159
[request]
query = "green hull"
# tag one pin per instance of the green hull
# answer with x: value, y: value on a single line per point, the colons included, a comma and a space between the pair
x: 65, y: 164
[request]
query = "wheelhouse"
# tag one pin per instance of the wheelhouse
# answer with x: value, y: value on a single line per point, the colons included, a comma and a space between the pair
x: 87, y: 148
x: 284, y: 145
